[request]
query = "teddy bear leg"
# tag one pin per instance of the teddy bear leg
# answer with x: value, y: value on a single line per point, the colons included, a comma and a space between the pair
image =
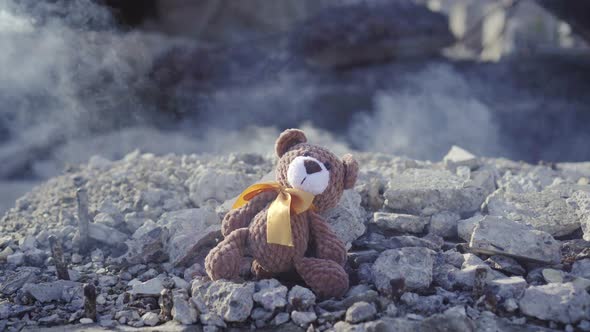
x: 326, y: 278
x: 223, y: 261
x: 259, y: 272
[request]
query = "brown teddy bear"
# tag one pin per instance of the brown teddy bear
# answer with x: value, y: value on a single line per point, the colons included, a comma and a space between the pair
x: 278, y: 222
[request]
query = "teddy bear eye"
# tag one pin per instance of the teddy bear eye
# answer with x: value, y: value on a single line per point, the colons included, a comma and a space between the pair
x: 328, y: 166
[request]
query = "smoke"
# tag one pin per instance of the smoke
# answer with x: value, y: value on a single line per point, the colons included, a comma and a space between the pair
x: 64, y: 63
x: 434, y: 110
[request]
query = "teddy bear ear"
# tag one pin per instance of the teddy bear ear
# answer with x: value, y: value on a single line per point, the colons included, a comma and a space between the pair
x: 351, y: 168
x: 288, y: 139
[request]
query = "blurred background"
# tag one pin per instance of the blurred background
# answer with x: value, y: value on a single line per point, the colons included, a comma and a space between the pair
x: 500, y: 78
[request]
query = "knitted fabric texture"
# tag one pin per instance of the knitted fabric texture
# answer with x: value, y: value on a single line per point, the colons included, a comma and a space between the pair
x: 244, y: 229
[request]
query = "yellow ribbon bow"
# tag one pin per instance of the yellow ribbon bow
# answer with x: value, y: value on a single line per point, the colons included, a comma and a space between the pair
x: 278, y: 218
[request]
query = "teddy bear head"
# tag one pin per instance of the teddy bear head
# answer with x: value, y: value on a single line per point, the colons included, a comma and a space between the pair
x: 313, y: 169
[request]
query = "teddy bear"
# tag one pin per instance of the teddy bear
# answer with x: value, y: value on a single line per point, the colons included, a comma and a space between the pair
x: 280, y: 224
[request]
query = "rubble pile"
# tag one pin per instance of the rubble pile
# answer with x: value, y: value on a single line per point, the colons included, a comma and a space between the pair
x: 463, y: 244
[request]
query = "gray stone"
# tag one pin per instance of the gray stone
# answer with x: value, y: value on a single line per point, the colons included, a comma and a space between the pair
x: 280, y: 318
x: 505, y: 264
x: 27, y: 243
x: 427, y: 192
x: 465, y: 227
x: 426, y: 305
x: 563, y: 303
x: 501, y: 236
x: 360, y: 312
x: 50, y: 320
x: 400, y: 222
x: 5, y: 253
x: 580, y: 201
x: 52, y: 291
x: 8, y: 310
x: 546, y: 210
x: 507, y: 288
x: 414, y: 264
x: 106, y: 234
x: 190, y: 230
x: 150, y: 319
x: 453, y: 319
x: 553, y: 275
x: 301, y: 298
x: 211, y: 319
x: 218, y: 185
x: 347, y: 219
x: 183, y: 311
x: 18, y: 258
x: 460, y: 157
x: 444, y: 224
x: 581, y: 268
x: 145, y: 228
x: 233, y: 302
x: 303, y: 318
x: 105, y: 219
x: 148, y: 248
x: 150, y: 287
x: 453, y: 257
x: 15, y: 281
x: 76, y: 259
x: 271, y: 298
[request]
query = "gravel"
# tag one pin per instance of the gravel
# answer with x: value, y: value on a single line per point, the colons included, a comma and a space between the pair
x: 405, y: 223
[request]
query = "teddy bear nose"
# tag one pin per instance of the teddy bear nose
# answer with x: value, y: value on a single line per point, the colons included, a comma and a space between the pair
x: 311, y: 166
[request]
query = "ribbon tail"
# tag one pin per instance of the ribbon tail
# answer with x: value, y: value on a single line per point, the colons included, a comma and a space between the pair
x: 278, y: 221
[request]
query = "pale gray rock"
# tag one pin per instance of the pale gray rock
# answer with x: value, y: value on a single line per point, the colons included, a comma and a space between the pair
x: 5, y: 253
x: 150, y: 319
x: 27, y: 243
x: 505, y: 264
x: 303, y: 318
x: 280, y: 318
x: 144, y: 229
x: 347, y: 219
x: 460, y: 157
x: 452, y: 319
x: 271, y: 298
x: 213, y: 320
x: 564, y: 303
x: 501, y: 236
x: 444, y: 224
x: 53, y: 291
x: 106, y: 234
x: 507, y: 288
x: 553, y: 275
x: 414, y: 264
x: 360, y: 312
x: 580, y: 201
x: 427, y: 192
x: 547, y: 210
x: 150, y: 287
x: 18, y: 258
x: 465, y: 227
x: 207, y: 184
x: 190, y: 230
x: 581, y: 268
x: 301, y: 298
x: 231, y: 301
x: 105, y: 219
x: 183, y: 311
x: 14, y: 281
x: 400, y: 222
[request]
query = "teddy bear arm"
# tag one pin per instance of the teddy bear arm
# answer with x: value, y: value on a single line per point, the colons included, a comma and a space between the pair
x: 325, y: 242
x: 241, y: 217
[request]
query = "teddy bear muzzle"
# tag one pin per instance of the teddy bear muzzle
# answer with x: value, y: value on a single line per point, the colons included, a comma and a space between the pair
x: 308, y: 174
